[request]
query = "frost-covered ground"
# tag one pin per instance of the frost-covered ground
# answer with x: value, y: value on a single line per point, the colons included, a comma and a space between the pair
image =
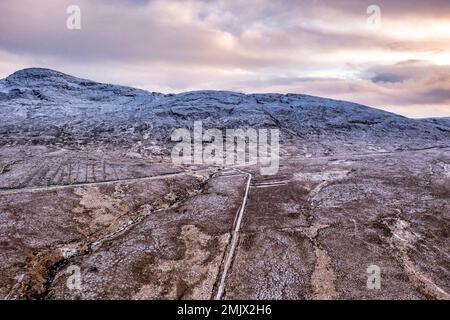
x: 86, y: 180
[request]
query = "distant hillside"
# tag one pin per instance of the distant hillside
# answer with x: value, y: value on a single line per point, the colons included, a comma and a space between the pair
x: 46, y: 106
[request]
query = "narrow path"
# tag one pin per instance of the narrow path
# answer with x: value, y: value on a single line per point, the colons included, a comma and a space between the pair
x: 89, y: 184
x: 367, y: 154
x: 234, y: 239
x: 270, y: 184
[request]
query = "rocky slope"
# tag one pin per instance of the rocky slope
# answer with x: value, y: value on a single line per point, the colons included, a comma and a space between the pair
x: 45, y: 106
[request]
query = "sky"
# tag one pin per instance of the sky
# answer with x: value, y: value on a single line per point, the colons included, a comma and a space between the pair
x: 398, y: 60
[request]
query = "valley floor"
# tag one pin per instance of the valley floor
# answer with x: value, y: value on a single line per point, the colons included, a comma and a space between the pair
x: 142, y: 228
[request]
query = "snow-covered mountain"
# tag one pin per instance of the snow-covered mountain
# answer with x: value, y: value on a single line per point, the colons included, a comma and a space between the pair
x: 44, y: 106
x: 442, y: 122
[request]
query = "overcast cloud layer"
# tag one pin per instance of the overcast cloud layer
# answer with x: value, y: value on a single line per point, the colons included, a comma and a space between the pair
x: 322, y: 48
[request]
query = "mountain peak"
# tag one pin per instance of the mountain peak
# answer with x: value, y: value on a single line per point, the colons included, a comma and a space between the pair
x: 40, y: 76
x: 36, y: 72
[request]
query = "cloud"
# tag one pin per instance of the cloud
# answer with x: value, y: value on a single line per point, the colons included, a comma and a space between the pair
x: 388, y: 77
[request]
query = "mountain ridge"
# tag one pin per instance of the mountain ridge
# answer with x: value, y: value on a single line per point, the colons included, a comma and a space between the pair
x: 42, y: 103
x: 38, y: 74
